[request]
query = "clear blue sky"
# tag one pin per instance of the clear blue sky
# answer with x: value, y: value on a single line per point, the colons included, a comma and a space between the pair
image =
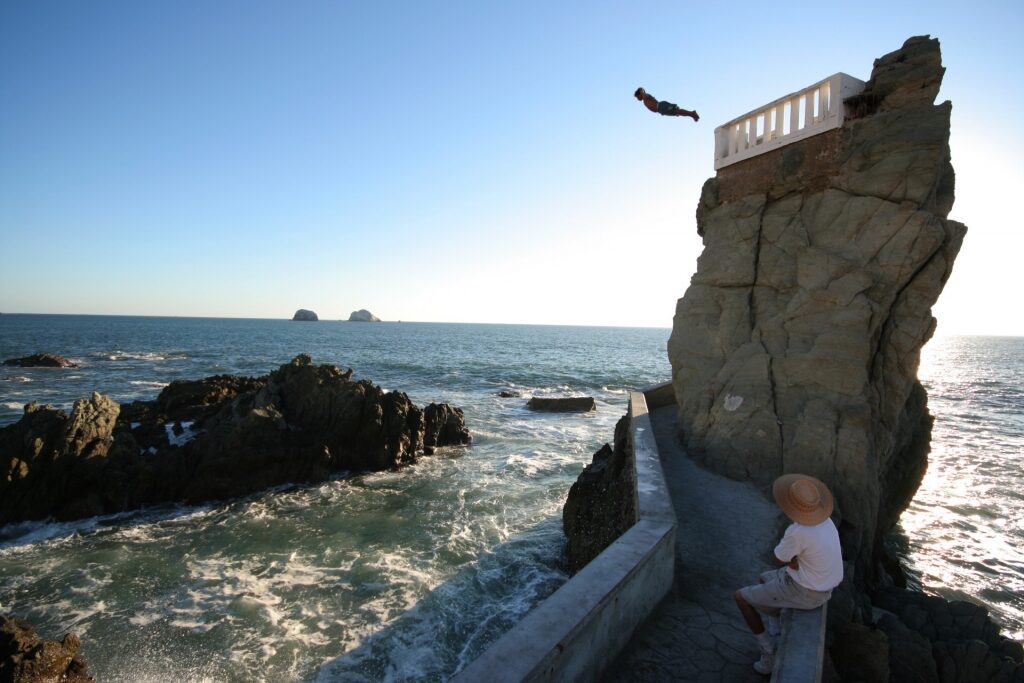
x: 477, y: 161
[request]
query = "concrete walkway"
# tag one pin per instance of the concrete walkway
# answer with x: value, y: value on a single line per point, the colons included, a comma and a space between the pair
x: 726, y: 533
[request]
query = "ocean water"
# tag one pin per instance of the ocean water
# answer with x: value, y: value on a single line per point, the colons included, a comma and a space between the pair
x: 406, y: 576
x: 963, y: 533
x: 398, y: 576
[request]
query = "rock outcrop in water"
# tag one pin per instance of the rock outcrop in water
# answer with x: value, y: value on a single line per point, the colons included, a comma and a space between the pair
x: 305, y: 315
x: 363, y: 316
x: 41, y: 360
x: 796, y: 346
x: 562, y: 404
x: 600, y: 506
x: 27, y: 658
x: 212, y: 439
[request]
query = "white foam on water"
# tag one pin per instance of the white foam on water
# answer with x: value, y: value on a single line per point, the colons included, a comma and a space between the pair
x: 520, y: 464
x: 148, y: 384
x: 146, y: 355
x: 144, y: 618
x: 13, y: 405
x: 26, y: 535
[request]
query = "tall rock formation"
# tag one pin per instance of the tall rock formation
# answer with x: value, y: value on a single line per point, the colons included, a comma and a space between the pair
x: 796, y: 346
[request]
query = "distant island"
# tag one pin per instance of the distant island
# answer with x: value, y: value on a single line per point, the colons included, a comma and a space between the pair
x: 304, y: 315
x: 363, y: 316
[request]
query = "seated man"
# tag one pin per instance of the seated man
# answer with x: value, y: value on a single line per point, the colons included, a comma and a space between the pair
x: 663, y: 108
x: 811, y: 557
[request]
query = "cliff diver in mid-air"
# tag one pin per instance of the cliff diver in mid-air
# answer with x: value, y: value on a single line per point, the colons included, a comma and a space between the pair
x: 663, y: 108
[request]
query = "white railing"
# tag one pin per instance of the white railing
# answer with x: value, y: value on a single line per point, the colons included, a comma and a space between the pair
x: 796, y: 116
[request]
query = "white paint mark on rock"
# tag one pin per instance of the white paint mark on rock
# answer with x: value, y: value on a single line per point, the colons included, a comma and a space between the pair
x: 731, y: 402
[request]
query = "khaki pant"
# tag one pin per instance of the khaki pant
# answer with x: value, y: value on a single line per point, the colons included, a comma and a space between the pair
x: 778, y: 590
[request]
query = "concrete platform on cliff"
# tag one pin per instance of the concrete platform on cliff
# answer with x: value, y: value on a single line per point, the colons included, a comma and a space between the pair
x: 726, y: 533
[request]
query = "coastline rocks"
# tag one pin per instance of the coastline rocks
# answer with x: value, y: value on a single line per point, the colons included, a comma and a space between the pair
x: 797, y: 343
x: 575, y: 404
x: 27, y: 658
x: 363, y: 316
x: 212, y: 439
x: 600, y: 506
x: 41, y: 360
x: 924, y: 638
x: 305, y: 315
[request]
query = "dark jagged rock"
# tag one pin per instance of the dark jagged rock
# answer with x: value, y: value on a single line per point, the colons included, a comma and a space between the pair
x: 941, y: 620
x: 41, y: 360
x: 27, y: 658
x: 910, y: 653
x: 600, y: 505
x: 509, y: 394
x: 574, y: 404
x: 861, y: 652
x: 211, y: 439
x: 305, y: 315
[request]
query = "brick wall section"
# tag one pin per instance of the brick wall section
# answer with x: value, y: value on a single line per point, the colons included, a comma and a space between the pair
x: 803, y: 166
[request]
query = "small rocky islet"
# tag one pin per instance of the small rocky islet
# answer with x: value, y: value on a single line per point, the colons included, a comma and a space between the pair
x: 41, y: 360
x: 363, y: 316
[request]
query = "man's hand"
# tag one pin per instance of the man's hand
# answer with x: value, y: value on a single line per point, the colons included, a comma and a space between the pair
x: 792, y: 564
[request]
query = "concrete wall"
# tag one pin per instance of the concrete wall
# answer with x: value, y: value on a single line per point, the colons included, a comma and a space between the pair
x: 579, y: 630
x: 802, y: 646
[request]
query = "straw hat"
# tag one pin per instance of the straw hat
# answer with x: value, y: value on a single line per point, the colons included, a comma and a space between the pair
x: 804, y: 499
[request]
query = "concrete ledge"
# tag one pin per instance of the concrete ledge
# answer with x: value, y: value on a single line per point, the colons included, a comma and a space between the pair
x: 659, y: 395
x: 801, y: 647
x: 581, y: 628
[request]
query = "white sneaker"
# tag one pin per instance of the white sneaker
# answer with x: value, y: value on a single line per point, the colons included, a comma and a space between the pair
x: 764, y: 665
x: 773, y: 625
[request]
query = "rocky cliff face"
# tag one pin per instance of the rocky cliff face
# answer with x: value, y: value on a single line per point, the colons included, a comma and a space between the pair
x: 796, y: 346
x: 212, y: 439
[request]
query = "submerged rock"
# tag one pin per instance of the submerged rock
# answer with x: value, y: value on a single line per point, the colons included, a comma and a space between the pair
x: 211, y: 439
x: 41, y: 360
x: 574, y: 404
x: 305, y: 315
x: 363, y: 316
x: 27, y: 658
